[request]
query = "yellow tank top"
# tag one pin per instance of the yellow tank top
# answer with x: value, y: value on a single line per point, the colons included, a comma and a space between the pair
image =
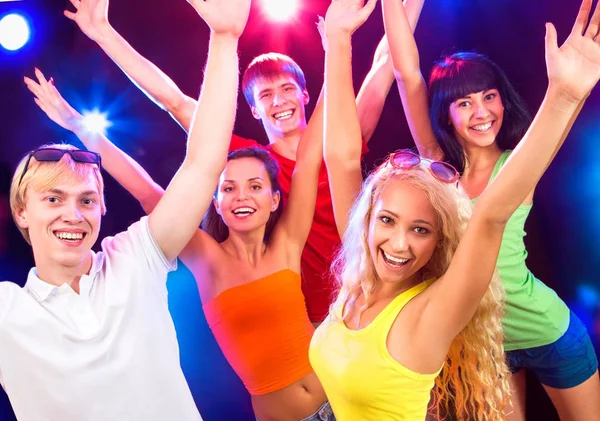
x: 360, y: 377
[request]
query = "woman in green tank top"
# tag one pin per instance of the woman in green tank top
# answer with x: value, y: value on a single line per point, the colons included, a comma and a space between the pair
x: 475, y: 118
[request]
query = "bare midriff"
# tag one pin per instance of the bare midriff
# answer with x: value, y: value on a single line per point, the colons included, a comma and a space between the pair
x: 295, y: 402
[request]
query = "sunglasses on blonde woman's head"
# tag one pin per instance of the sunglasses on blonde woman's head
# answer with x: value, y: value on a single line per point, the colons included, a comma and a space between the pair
x: 406, y: 160
x: 55, y: 155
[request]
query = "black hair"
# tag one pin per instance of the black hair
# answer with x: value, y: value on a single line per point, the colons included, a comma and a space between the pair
x: 463, y: 73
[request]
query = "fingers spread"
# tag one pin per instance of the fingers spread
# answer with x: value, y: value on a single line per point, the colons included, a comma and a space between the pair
x: 592, y: 29
x: 582, y: 17
x: 33, y: 87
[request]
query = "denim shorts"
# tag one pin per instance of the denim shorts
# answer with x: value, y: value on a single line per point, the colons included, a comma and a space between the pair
x: 324, y: 413
x: 563, y: 364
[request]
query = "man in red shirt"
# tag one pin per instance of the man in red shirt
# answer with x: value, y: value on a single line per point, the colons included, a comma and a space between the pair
x: 275, y: 89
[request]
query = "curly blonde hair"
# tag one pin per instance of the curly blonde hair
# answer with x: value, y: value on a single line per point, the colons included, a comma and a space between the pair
x: 473, y: 383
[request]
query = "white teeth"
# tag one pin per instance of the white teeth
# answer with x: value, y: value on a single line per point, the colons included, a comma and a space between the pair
x: 283, y: 115
x: 243, y: 211
x: 394, y: 259
x: 482, y: 127
x: 69, y: 235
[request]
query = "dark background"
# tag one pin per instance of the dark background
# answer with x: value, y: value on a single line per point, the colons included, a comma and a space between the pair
x: 563, y: 228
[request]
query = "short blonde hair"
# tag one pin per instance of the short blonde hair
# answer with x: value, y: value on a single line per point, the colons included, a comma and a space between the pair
x: 43, y: 176
x: 473, y: 384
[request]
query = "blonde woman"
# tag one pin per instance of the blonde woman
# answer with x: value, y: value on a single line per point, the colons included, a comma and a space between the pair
x: 419, y: 304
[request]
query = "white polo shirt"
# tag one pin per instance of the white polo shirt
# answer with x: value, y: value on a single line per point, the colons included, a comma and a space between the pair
x: 107, y: 354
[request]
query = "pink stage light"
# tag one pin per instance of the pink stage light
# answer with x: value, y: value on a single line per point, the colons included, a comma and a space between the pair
x: 280, y: 10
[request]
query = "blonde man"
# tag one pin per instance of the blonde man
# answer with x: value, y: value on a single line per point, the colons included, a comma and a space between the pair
x: 90, y: 337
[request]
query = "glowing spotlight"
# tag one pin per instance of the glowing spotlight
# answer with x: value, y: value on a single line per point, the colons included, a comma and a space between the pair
x: 280, y: 9
x: 95, y: 122
x: 14, y: 32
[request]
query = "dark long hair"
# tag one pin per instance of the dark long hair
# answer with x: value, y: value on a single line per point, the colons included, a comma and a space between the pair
x: 213, y: 223
x: 463, y: 73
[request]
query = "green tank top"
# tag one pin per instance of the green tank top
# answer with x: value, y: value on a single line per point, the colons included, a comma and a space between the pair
x: 535, y: 316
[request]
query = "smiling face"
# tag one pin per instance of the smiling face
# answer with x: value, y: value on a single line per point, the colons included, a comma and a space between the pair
x: 57, y: 206
x: 403, y: 233
x: 477, y: 118
x: 245, y: 198
x: 62, y: 222
x: 280, y: 104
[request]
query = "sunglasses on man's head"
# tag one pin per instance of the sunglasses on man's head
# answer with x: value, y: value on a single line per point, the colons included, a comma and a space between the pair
x: 55, y: 155
x: 406, y: 160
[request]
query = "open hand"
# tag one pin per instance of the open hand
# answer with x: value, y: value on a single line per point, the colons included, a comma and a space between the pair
x: 346, y: 16
x: 225, y: 17
x: 574, y: 68
x: 52, y: 103
x: 91, y: 16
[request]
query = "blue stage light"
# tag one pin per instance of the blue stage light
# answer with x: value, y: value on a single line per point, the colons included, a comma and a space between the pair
x: 588, y: 296
x: 96, y: 122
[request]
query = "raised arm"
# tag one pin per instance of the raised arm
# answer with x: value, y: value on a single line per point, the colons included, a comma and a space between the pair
x: 119, y: 165
x: 92, y: 18
x: 573, y: 70
x: 343, y: 145
x: 411, y: 85
x: 297, y: 217
x: 376, y: 86
x: 178, y: 214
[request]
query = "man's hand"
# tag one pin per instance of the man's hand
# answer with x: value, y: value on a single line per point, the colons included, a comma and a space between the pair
x: 224, y: 17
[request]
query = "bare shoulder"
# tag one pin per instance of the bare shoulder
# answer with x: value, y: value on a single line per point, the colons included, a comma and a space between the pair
x: 412, y: 341
x: 205, y: 259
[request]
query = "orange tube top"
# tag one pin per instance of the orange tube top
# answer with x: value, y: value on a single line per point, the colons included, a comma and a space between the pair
x: 264, y: 331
